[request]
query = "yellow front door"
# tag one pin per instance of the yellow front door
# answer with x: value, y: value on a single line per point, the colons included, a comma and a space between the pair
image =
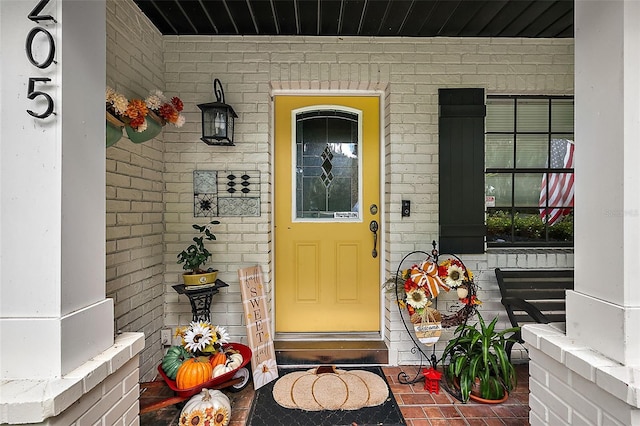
x: 327, y: 207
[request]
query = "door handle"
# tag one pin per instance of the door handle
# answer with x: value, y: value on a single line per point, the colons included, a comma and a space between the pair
x: 373, y: 226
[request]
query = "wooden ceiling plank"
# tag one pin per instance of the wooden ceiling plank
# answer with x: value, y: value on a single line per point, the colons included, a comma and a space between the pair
x: 409, y: 18
x: 373, y: 14
x: 395, y: 17
x: 329, y: 17
x: 352, y: 14
x: 548, y: 18
x: 286, y: 15
x: 502, y: 19
x: 461, y: 17
x: 435, y: 22
x: 416, y: 17
x: 531, y: 14
x: 219, y: 16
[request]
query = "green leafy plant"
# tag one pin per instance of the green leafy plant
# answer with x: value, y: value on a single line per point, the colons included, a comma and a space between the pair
x: 478, y: 360
x: 195, y: 255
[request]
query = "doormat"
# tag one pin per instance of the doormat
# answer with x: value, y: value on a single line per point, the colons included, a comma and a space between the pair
x: 265, y: 411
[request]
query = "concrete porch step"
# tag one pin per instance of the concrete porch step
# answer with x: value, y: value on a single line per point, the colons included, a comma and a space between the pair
x: 331, y: 352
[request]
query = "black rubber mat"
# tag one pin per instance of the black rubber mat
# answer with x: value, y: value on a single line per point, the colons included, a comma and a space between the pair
x: 266, y: 412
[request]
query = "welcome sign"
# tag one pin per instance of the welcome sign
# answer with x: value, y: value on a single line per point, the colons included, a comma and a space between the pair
x: 260, y: 339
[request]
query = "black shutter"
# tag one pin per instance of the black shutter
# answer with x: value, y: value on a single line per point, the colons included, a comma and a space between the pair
x: 461, y: 170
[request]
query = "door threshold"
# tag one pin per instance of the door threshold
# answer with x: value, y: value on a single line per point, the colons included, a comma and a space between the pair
x: 323, y: 337
x: 361, y: 351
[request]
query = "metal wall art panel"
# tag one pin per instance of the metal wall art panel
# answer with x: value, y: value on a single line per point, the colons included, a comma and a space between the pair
x: 226, y: 193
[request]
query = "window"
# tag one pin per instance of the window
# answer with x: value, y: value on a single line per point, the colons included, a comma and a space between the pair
x: 529, y: 147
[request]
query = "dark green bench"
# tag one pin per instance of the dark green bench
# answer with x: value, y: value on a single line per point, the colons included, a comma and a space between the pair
x: 533, y: 296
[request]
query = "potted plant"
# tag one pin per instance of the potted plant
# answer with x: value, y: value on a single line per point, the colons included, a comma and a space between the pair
x: 478, y: 362
x: 195, y: 255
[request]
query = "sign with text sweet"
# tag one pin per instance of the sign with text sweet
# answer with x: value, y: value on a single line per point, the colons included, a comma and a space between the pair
x: 260, y: 339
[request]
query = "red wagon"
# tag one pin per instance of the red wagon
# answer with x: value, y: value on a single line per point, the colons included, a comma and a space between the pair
x: 235, y: 380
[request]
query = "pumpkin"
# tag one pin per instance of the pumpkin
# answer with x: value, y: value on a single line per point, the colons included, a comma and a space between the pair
x: 217, y: 359
x: 235, y: 360
x: 220, y: 369
x: 173, y: 359
x: 193, y: 372
x: 208, y: 407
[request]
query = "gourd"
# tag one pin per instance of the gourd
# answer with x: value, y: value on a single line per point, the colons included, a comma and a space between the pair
x: 220, y: 369
x: 173, y: 359
x: 235, y: 360
x: 208, y: 407
x: 217, y: 359
x: 193, y: 372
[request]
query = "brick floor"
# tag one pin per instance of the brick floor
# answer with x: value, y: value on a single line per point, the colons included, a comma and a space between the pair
x: 419, y: 407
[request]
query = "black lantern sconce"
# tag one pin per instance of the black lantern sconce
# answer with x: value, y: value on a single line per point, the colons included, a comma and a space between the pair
x: 217, y: 119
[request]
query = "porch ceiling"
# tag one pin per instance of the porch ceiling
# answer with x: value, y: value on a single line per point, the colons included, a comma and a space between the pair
x: 407, y: 18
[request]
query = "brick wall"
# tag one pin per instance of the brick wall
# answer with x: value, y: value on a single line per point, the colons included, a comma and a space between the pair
x: 135, y: 187
x: 572, y: 384
x: 410, y: 71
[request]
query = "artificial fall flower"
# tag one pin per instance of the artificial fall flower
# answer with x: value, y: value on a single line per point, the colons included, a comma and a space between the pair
x: 180, y: 121
x: 221, y: 334
x: 197, y: 336
x: 168, y: 112
x: 177, y: 103
x: 221, y: 416
x: 155, y: 99
x: 455, y: 276
x: 471, y: 301
x: 417, y: 298
x: 194, y: 418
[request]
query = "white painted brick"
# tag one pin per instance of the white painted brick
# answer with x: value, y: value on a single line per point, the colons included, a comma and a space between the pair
x: 557, y: 407
x: 538, y: 410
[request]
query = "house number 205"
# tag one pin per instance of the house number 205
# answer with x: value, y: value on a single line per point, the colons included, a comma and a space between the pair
x: 32, y: 93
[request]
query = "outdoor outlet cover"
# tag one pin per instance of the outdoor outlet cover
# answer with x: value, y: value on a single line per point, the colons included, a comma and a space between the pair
x: 165, y: 337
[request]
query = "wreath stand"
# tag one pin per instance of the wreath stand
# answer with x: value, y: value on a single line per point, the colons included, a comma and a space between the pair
x: 453, y: 320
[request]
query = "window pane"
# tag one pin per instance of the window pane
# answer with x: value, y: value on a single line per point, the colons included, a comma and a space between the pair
x: 499, y: 185
x: 327, y: 164
x: 531, y: 151
x: 562, y: 115
x: 500, y: 115
x: 527, y: 189
x: 533, y: 115
x: 499, y: 151
x: 528, y: 226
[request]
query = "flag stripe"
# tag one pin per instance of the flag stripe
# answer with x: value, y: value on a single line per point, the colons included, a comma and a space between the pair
x: 560, y: 188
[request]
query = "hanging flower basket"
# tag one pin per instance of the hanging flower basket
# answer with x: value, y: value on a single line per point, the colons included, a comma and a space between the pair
x: 113, y: 129
x: 154, y: 127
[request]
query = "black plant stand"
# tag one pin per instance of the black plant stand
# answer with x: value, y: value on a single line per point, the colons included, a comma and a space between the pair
x: 200, y: 297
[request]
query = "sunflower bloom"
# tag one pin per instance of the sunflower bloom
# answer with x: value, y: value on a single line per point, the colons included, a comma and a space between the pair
x: 455, y: 276
x: 417, y: 298
x: 198, y: 336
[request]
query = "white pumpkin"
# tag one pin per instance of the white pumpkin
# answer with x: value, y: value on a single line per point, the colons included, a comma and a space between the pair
x: 209, y: 405
x: 234, y: 360
x: 220, y: 369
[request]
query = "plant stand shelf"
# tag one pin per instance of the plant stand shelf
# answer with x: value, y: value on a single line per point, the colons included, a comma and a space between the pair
x: 200, y: 297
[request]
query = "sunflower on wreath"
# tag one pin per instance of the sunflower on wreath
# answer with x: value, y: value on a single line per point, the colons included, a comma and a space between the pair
x: 456, y: 275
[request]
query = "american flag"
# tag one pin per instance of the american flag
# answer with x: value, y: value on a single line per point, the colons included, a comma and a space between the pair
x: 557, y: 195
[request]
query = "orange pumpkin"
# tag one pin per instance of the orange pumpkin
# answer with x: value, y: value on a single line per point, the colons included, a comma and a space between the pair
x: 193, y: 372
x: 217, y: 359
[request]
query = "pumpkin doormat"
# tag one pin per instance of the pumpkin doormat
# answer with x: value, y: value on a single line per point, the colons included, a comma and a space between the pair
x: 382, y: 409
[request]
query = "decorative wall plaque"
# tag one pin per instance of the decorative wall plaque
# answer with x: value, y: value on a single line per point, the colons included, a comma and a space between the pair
x: 226, y: 193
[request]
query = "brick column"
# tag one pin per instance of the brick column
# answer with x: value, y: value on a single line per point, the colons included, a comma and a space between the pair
x: 52, y: 189
x: 604, y: 310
